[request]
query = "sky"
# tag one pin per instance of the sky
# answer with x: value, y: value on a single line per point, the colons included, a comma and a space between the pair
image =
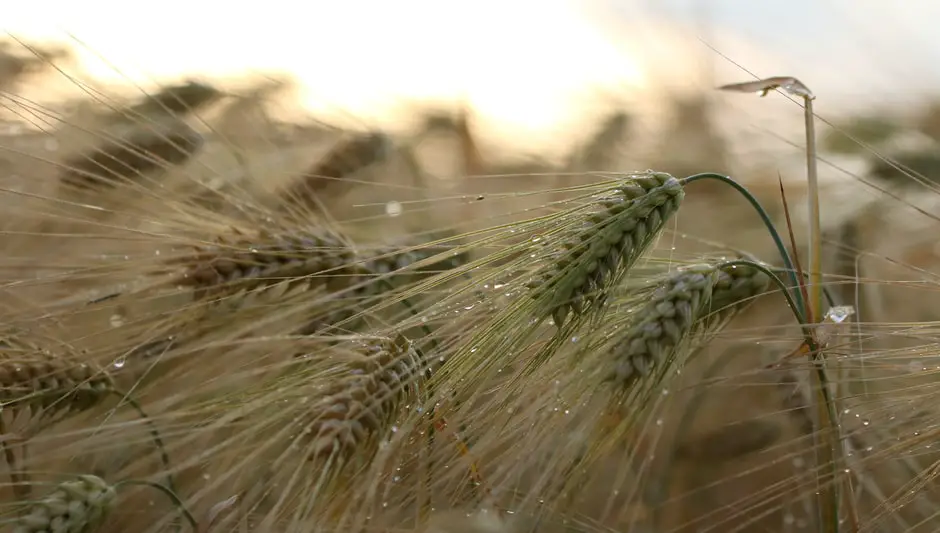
x: 534, y: 66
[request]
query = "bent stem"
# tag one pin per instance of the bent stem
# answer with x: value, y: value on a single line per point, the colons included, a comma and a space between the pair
x: 765, y: 218
x: 154, y: 434
x: 169, y: 494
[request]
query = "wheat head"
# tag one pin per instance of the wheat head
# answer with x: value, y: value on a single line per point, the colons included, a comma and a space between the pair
x: 132, y: 157
x: 343, y: 160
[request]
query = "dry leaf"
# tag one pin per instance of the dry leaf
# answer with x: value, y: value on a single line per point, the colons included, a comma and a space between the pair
x: 788, y: 83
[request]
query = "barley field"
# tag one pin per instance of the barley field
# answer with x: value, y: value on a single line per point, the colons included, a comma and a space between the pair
x: 224, y: 311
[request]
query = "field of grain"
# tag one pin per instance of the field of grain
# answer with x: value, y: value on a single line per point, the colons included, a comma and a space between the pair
x: 215, y: 319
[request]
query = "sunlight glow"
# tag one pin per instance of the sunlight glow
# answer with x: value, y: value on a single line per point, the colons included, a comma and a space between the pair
x: 522, y: 63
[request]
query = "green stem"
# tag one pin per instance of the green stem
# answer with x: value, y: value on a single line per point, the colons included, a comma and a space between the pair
x: 797, y: 310
x: 154, y: 433
x: 169, y: 494
x: 765, y: 218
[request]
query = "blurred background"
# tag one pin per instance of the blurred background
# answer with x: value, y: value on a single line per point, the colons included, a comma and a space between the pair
x: 517, y: 89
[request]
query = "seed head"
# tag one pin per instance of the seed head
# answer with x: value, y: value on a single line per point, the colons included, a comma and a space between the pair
x: 665, y: 321
x: 34, y: 377
x: 77, y: 506
x: 675, y: 309
x: 358, y: 406
x: 243, y: 263
x: 737, y: 285
x: 608, y: 243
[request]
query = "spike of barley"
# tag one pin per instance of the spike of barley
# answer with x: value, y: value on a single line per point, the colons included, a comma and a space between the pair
x: 608, y: 244
x: 737, y: 286
x: 77, y: 506
x: 386, y: 262
x: 250, y: 263
x: 343, y: 160
x: 674, y: 309
x: 357, y: 407
x: 34, y: 377
x: 664, y: 322
x: 132, y: 156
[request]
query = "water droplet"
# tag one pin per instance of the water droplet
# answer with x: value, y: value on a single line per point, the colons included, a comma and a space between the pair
x: 119, y: 363
x: 393, y: 208
x: 659, y: 421
x: 839, y: 313
x: 575, y: 338
x: 116, y: 320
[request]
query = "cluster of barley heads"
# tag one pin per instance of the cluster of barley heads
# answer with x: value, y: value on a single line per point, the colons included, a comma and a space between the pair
x: 225, y: 363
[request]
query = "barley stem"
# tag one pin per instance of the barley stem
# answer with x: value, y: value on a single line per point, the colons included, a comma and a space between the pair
x: 154, y: 434
x: 169, y: 494
x: 815, y: 230
x: 765, y: 218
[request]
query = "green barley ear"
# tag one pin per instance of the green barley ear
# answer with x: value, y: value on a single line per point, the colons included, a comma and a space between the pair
x: 77, y: 506
x: 664, y: 322
x: 737, y: 286
x: 608, y: 242
x: 676, y: 309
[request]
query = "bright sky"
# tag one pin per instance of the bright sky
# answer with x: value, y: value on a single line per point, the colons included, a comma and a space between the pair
x: 521, y: 61
x: 531, y: 64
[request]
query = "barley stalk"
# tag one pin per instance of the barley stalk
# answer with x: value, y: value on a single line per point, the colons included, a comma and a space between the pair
x: 77, y: 506
x: 608, y: 243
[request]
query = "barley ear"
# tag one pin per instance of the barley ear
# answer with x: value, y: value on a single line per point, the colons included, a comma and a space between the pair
x: 607, y: 244
x: 738, y: 284
x: 354, y: 410
x: 78, y: 506
x: 665, y: 321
